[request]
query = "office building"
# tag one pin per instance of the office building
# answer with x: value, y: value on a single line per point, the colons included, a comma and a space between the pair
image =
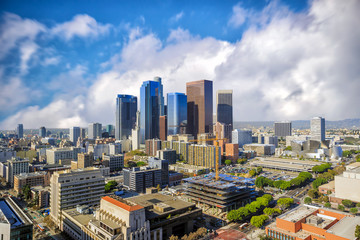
x: 199, y: 106
x: 176, y: 113
x: 163, y: 165
x: 283, y: 129
x: 85, y: 160
x: 151, y: 146
x: 224, y: 107
x: 163, y: 128
x: 6, y: 154
x: 94, y: 130
x: 65, y: 155
x: 271, y: 140
x: 232, y: 151
x: 151, y: 108
x: 135, y: 133
x: 222, y: 131
x: 139, y: 179
x: 260, y: 149
x: 204, y: 155
x: 167, y: 154
x: 74, y: 134
x: 110, y: 129
x: 181, y: 148
x: 126, y: 108
x: 42, y: 132
x: 32, y: 179
x: 310, y: 222
x: 70, y: 188
x: 114, y: 162
x: 20, y: 131
x: 82, y: 133
x: 345, y: 185
x: 14, y: 224
x: 16, y: 166
x: 318, y: 128
x: 241, y: 137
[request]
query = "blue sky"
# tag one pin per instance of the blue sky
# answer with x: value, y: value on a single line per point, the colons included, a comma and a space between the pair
x: 62, y: 64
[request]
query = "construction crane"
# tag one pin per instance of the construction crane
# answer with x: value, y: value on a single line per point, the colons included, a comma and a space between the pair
x: 216, y: 153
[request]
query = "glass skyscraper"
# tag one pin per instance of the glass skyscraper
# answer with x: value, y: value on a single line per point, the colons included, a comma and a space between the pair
x: 126, y: 107
x: 151, y: 108
x: 199, y: 106
x: 224, y: 108
x: 20, y: 130
x: 177, y: 113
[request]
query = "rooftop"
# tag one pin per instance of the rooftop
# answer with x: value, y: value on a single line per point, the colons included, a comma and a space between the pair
x: 11, y: 213
x: 124, y: 204
x: 345, y: 227
x: 81, y: 218
x: 298, y: 213
x: 33, y: 174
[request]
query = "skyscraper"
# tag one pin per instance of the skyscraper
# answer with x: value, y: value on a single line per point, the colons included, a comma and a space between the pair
x: 110, y: 129
x: 20, y: 130
x: 224, y: 107
x: 318, y: 128
x: 199, y: 106
x: 126, y: 107
x: 151, y: 108
x: 135, y: 133
x: 74, y: 134
x: 177, y: 113
x: 163, y: 128
x: 94, y: 130
x: 42, y: 132
x: 282, y: 129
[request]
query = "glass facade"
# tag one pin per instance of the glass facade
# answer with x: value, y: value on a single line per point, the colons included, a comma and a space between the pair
x: 177, y: 113
x: 126, y: 107
x: 151, y: 108
x: 224, y: 108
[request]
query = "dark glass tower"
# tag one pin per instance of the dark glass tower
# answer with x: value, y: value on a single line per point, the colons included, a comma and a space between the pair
x: 224, y: 108
x: 199, y: 106
x: 177, y: 113
x: 126, y: 107
x: 151, y: 108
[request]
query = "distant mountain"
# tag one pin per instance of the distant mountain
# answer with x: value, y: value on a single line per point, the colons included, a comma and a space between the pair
x: 303, y: 124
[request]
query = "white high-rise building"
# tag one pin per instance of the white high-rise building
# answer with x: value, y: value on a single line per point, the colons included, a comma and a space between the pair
x: 241, y: 136
x: 94, y: 130
x: 318, y: 128
x: 282, y: 129
x: 74, y: 134
x: 16, y: 166
x: 135, y: 133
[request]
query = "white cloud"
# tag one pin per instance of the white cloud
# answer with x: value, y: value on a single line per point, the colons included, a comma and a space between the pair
x: 287, y: 66
x: 51, y: 61
x: 81, y: 25
x: 13, y: 93
x: 238, y: 16
x: 177, y: 17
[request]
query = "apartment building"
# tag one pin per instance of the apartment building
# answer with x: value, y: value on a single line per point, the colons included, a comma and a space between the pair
x: 31, y: 179
x: 75, y: 187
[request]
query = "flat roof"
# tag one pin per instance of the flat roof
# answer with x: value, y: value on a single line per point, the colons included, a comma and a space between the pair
x: 124, y: 204
x: 298, y: 213
x: 81, y: 218
x: 32, y: 174
x: 10, y: 214
x: 329, y: 185
x: 345, y: 227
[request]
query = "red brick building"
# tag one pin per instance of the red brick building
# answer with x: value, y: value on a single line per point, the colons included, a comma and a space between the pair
x: 232, y: 151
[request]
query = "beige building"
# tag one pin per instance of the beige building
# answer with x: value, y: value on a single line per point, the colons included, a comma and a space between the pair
x: 70, y: 188
x: 347, y: 184
x: 31, y: 179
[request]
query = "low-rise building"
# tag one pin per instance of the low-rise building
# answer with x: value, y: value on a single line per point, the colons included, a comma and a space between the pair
x: 31, y: 179
x: 345, y: 185
x: 308, y: 222
x: 260, y: 149
x: 14, y: 224
x: 42, y: 195
x: 327, y: 188
x: 138, y: 179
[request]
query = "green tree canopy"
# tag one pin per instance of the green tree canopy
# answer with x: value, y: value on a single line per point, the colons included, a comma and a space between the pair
x: 318, y: 182
x: 110, y: 185
x: 313, y: 193
x: 258, y: 221
x: 353, y: 210
x: 341, y: 207
x: 307, y: 200
x: 227, y: 162
x: 285, y: 202
x: 347, y: 203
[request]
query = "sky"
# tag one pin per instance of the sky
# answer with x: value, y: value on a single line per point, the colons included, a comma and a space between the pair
x: 62, y: 63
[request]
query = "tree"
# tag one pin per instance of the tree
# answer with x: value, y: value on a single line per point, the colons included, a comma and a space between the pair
x: 259, y: 170
x: 227, y: 162
x: 252, y: 173
x: 341, y: 207
x: 353, y: 210
x: 272, y: 211
x: 321, y: 168
x: 288, y: 148
x: 241, y: 160
x: 327, y: 205
x: 318, y: 182
x: 140, y: 164
x: 358, y: 204
x: 313, y: 193
x: 285, y: 202
x: 260, y: 182
x: 278, y: 183
x: 268, y: 197
x: 307, y: 200
x: 26, y: 191
x: 258, y: 221
x: 110, y: 185
x: 357, y: 232
x: 347, y: 203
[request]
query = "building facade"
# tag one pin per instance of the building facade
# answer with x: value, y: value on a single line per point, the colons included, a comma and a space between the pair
x: 163, y: 131
x: 74, y: 134
x: 199, y: 106
x: 114, y: 162
x: 42, y: 132
x: 70, y: 188
x: 94, y: 130
x: 283, y: 129
x: 241, y: 137
x: 31, y: 179
x: 151, y: 108
x: 20, y: 130
x: 177, y: 113
x: 126, y: 108
x: 16, y: 166
x: 318, y: 128
x: 224, y: 106
x: 139, y: 179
